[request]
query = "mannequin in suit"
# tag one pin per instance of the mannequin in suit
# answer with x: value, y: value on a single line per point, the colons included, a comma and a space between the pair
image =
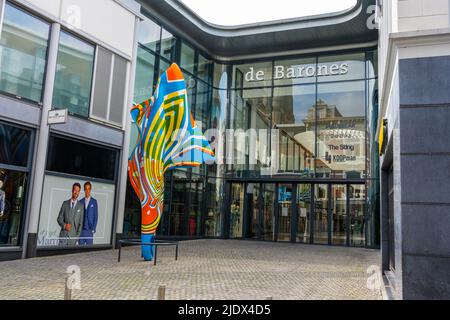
x: 90, y: 216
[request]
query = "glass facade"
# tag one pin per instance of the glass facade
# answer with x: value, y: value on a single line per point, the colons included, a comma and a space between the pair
x: 293, y: 142
x: 74, y: 73
x: 23, y: 52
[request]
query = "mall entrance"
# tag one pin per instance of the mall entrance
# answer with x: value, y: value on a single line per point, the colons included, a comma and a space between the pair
x: 310, y: 213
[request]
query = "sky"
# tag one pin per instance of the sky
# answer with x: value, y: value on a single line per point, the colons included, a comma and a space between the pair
x: 238, y: 12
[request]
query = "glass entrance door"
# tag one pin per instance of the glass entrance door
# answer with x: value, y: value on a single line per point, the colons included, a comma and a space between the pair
x: 321, y: 195
x: 339, y: 215
x: 268, y: 219
x: 284, y: 211
x: 304, y: 213
x: 236, y: 210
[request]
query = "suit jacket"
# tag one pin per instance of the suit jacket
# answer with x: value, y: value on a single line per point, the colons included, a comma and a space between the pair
x: 73, y: 217
x: 2, y: 201
x: 90, y: 215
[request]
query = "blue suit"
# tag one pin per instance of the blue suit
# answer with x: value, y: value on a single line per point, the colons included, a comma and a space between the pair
x: 89, y: 222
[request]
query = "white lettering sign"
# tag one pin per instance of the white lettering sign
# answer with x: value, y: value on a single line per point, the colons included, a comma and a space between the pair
x: 296, y: 72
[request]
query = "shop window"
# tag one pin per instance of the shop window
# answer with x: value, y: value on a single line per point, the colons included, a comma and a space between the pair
x: 341, y: 67
x: 74, y: 72
x: 23, y: 54
x: 254, y: 74
x: 204, y: 68
x: 13, y: 186
x: 14, y: 146
x: 76, y: 158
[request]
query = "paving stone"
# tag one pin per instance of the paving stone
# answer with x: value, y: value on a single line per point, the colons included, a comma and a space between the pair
x: 206, y: 270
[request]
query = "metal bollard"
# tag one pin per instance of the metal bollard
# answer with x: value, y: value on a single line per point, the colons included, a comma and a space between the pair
x: 269, y: 298
x: 68, y: 288
x: 162, y: 293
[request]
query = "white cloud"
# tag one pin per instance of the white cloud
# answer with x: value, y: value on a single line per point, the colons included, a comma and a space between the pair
x: 237, y: 12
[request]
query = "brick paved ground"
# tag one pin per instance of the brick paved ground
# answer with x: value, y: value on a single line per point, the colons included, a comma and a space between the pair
x: 207, y: 269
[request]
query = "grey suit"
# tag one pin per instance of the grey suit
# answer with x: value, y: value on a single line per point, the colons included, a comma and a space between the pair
x: 74, y: 217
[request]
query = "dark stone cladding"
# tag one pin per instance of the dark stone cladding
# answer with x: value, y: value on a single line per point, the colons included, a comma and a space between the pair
x: 425, y: 174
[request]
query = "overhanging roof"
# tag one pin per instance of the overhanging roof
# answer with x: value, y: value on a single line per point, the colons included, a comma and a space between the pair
x: 344, y: 28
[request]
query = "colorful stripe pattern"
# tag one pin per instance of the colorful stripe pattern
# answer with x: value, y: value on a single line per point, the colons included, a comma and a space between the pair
x: 168, y: 138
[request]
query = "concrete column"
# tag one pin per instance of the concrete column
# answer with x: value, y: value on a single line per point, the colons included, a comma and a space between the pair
x: 126, y: 144
x: 42, y: 137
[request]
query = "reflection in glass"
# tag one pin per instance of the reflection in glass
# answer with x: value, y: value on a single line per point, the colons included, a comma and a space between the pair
x: 214, y: 203
x: 269, y: 213
x: 339, y: 215
x: 284, y: 212
x: 178, y: 205
x: 204, y: 67
x: 23, y: 53
x: 168, y: 45
x: 237, y: 210
x: 144, y: 75
x: 250, y: 119
x: 195, y: 207
x: 13, y: 186
x: 149, y: 34
x: 14, y: 145
x: 357, y: 215
x: 304, y: 210
x: 73, y: 75
x: 187, y: 57
x: 341, y: 127
x: 321, y: 214
x: 293, y: 114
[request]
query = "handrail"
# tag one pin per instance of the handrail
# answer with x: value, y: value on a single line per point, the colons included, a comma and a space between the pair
x: 156, y: 244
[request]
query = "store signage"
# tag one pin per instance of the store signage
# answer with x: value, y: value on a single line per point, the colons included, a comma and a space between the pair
x: 297, y: 72
x: 58, y: 116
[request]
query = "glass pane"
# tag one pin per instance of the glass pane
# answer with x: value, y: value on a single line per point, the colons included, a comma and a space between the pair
x: 341, y: 67
x: 145, y: 74
x: 294, y: 115
x: 321, y: 214
x: 341, y: 122
x: 254, y: 75
x: 284, y: 212
x: 23, y: 54
x: 204, y: 68
x: 168, y: 45
x: 288, y: 72
x: 250, y: 121
x: 339, y: 212
x: 178, y: 205
x: 13, y: 186
x: 214, y: 203
x: 237, y: 210
x: 220, y: 76
x: 195, y: 208
x: 71, y: 157
x: 132, y: 223
x: 357, y: 215
x: 304, y: 210
x: 372, y: 61
x: 149, y: 34
x: 253, y: 192
x: 14, y: 145
x: 163, y: 66
x: 187, y: 58
x: 269, y: 213
x: 73, y: 75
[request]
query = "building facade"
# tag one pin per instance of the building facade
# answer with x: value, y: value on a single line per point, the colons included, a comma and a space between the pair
x: 414, y: 127
x: 289, y: 106
x: 293, y: 125
x: 55, y: 55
